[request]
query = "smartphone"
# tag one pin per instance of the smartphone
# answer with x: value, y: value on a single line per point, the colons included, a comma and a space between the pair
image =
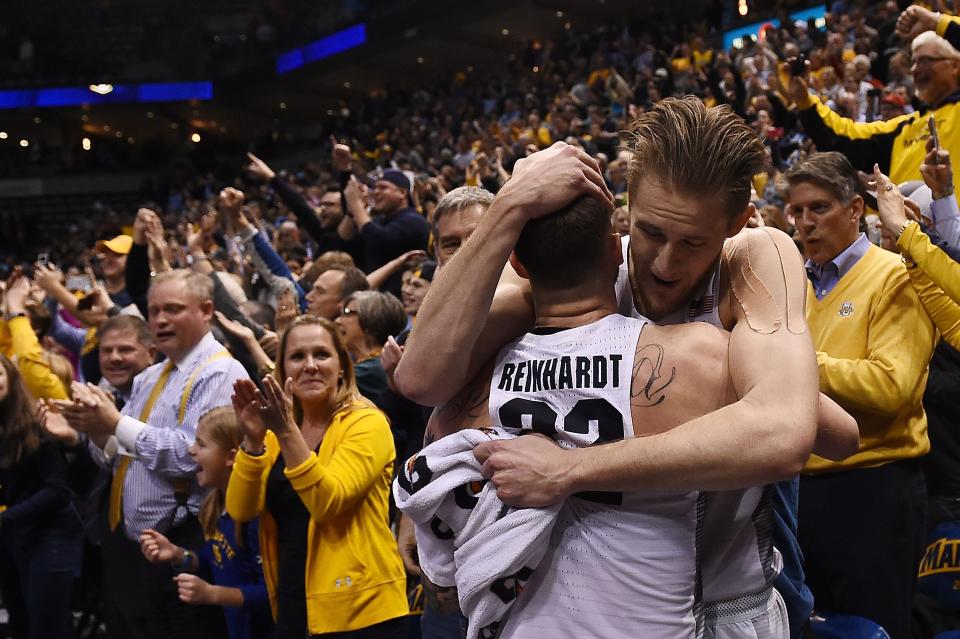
x: 79, y: 283
x: 43, y: 259
x: 932, y: 125
x: 798, y: 66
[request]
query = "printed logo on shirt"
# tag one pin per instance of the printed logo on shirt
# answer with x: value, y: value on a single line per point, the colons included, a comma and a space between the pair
x: 221, y: 549
x: 846, y: 309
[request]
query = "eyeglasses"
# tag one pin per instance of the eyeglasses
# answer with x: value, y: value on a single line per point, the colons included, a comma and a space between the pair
x: 926, y: 60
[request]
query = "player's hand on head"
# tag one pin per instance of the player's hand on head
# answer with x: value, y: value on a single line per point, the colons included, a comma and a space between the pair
x: 548, y: 180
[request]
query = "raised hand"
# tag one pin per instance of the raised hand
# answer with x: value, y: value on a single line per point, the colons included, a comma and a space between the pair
x: 548, y: 180
x: 92, y: 410
x: 249, y: 404
x: 140, y: 225
x: 936, y: 170
x: 238, y: 330
x: 230, y: 198
x: 890, y: 202
x: 47, y: 276
x: 796, y: 88
x: 17, y: 294
x: 342, y: 159
x: 269, y: 342
x: 98, y: 310
x: 915, y: 20
x: 279, y: 412
x: 56, y: 424
x: 287, y: 309
x: 390, y: 359
x: 157, y: 548
x: 154, y: 232
x: 355, y: 193
x: 259, y: 169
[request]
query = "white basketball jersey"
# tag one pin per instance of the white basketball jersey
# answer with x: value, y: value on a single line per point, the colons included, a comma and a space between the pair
x: 737, y: 556
x: 619, y: 564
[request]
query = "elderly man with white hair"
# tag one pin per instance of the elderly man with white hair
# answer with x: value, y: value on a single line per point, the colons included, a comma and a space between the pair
x: 898, y: 145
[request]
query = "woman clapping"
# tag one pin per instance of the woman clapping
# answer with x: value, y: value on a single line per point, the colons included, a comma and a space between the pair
x: 316, y: 463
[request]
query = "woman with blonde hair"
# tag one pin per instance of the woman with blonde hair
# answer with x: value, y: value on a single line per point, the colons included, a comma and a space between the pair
x: 315, y: 464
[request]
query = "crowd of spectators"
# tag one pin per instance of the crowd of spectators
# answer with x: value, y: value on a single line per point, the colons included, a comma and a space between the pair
x: 116, y: 464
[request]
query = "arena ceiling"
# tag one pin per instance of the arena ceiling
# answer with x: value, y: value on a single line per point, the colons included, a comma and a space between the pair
x: 410, y: 44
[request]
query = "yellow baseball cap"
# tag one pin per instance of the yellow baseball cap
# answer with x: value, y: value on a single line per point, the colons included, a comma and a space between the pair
x: 120, y: 245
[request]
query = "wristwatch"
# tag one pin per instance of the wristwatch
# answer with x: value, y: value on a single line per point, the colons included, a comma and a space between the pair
x: 13, y: 315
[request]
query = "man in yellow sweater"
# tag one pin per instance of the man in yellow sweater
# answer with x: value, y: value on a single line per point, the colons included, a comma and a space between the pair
x: 861, y: 521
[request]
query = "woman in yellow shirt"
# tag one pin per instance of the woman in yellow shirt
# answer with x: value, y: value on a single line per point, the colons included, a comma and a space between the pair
x: 316, y: 464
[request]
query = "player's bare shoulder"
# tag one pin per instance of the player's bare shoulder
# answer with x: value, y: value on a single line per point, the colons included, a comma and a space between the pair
x: 679, y: 372
x: 764, y: 281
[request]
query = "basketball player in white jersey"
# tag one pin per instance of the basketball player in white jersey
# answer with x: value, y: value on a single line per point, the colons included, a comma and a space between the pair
x: 690, y: 186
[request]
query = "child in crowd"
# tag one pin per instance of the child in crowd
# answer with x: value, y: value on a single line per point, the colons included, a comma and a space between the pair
x: 232, y: 552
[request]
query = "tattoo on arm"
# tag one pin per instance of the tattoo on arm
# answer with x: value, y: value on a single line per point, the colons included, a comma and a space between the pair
x: 649, y: 381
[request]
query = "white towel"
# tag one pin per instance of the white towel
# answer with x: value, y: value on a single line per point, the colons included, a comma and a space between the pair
x: 466, y: 536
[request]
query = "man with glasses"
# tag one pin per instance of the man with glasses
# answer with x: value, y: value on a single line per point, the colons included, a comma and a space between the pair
x: 898, y: 145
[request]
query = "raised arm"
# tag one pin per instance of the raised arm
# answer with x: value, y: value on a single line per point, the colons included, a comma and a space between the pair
x: 473, y: 306
x: 864, y: 143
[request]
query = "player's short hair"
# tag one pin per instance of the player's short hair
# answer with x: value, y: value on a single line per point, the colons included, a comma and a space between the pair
x: 696, y: 151
x: 563, y: 248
